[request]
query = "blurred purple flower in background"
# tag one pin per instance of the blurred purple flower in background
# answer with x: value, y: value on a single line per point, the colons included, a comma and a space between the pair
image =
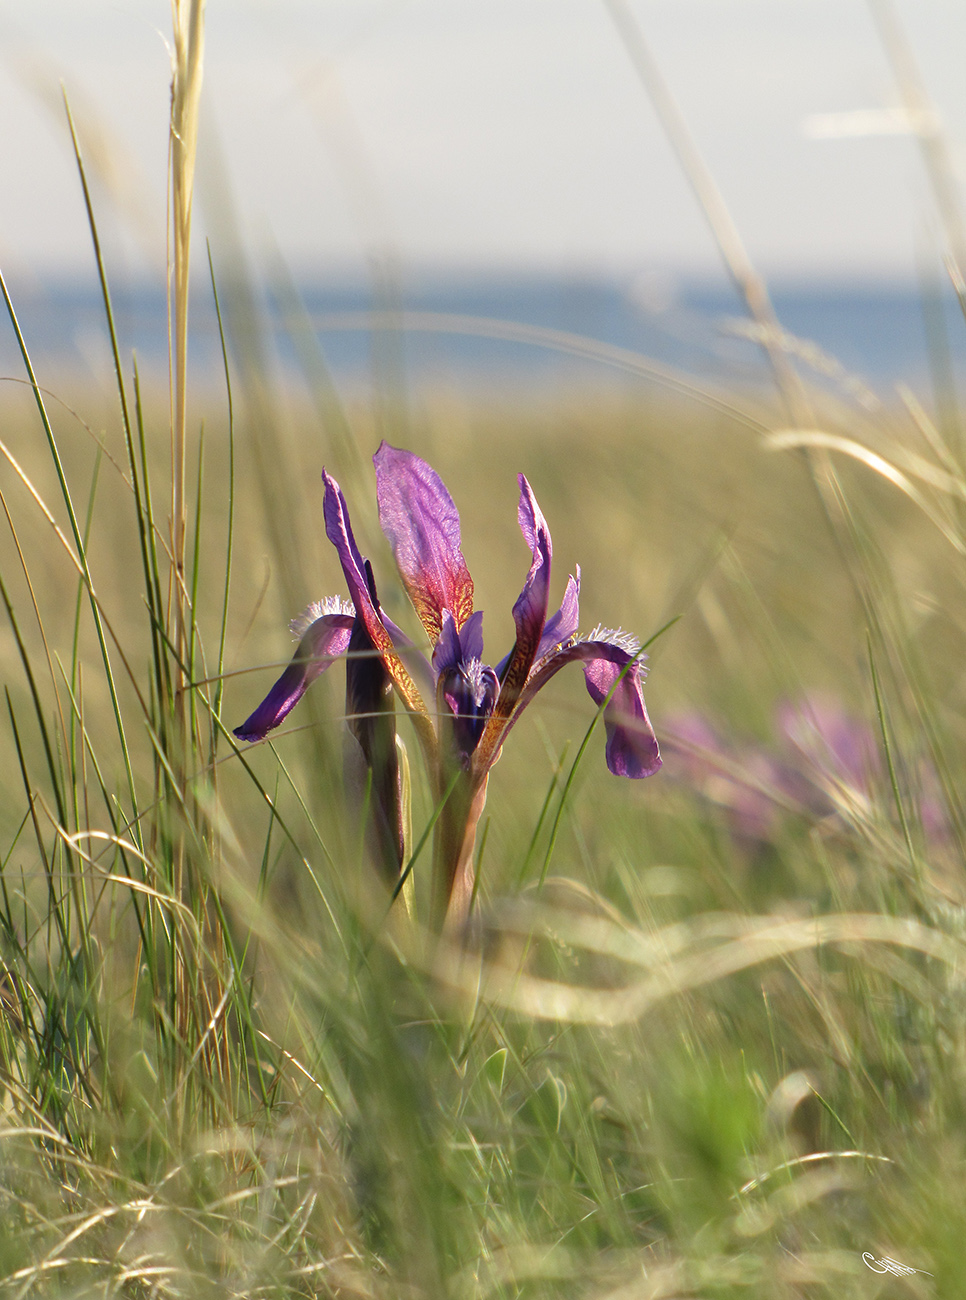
x: 745, y: 781
x: 822, y: 763
x: 821, y: 760
x: 837, y: 753
x: 463, y: 729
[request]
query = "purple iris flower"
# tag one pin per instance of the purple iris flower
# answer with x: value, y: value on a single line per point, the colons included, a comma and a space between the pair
x: 822, y: 763
x: 462, y: 730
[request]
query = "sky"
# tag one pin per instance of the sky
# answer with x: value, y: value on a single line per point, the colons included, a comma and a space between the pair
x: 480, y: 135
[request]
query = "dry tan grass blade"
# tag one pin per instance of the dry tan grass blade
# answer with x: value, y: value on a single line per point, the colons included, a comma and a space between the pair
x: 188, y: 24
x: 762, y: 941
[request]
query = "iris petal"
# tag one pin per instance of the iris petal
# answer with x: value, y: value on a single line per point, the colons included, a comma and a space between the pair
x: 325, y: 640
x: 471, y: 636
x: 455, y: 648
x: 468, y: 692
x: 530, y: 610
x: 338, y: 529
x: 529, y: 616
x: 563, y: 625
x: 339, y: 532
x: 632, y: 748
x: 447, y: 652
x: 559, y: 628
x: 418, y: 516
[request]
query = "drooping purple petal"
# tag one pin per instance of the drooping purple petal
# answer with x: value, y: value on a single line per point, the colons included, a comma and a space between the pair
x: 632, y: 748
x: 422, y: 524
x: 339, y: 532
x: 324, y: 641
x: 609, y: 666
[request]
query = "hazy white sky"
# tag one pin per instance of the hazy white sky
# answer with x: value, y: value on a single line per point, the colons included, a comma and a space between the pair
x: 476, y: 132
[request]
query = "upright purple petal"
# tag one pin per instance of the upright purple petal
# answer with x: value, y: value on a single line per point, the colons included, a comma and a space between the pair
x: 422, y: 524
x: 529, y: 615
x: 447, y: 652
x: 471, y: 636
x: 530, y: 610
x: 325, y: 640
x: 338, y: 529
x: 454, y: 648
x: 562, y: 625
x: 339, y: 532
x: 632, y: 748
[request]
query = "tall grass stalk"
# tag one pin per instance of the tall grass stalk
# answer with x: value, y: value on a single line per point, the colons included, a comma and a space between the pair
x: 187, y: 72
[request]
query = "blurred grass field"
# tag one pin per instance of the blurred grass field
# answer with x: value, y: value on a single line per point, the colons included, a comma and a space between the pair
x: 337, y: 1122
x: 713, y: 1041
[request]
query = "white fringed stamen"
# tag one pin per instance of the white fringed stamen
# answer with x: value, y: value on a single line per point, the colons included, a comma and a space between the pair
x: 328, y: 605
x: 472, y: 670
x: 617, y: 637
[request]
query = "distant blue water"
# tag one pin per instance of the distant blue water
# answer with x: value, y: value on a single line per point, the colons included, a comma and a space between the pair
x: 882, y: 334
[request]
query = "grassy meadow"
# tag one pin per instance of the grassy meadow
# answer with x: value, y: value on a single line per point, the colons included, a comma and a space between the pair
x: 712, y: 1038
